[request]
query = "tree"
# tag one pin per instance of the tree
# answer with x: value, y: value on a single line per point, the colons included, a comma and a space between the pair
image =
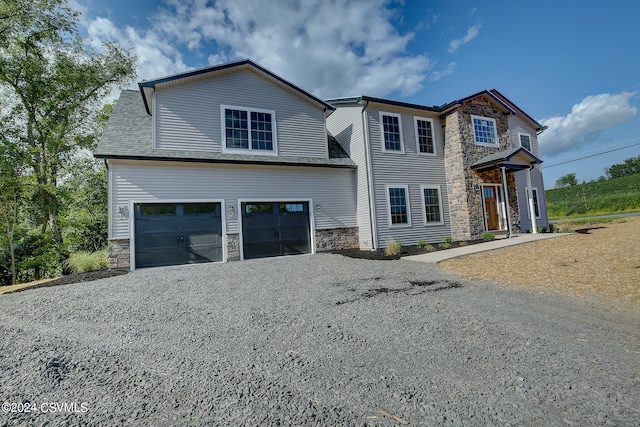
x: 630, y: 166
x: 567, y: 180
x: 57, y: 85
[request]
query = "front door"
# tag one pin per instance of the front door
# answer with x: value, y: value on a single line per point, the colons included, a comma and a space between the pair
x: 490, y: 197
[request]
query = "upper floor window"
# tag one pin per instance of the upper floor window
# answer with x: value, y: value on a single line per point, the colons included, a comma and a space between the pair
x: 248, y: 129
x: 424, y: 135
x: 398, y: 198
x: 391, y: 128
x: 525, y: 140
x: 484, y: 131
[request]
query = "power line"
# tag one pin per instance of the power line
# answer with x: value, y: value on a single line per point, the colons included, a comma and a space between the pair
x: 593, y: 155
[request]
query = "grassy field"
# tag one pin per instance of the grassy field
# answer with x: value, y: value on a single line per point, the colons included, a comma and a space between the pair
x: 611, y: 196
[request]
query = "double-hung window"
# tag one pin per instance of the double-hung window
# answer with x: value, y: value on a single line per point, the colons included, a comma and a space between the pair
x: 398, y: 199
x: 525, y: 140
x: 484, y: 131
x: 432, y: 203
x: 248, y: 129
x: 424, y: 136
x: 391, y: 130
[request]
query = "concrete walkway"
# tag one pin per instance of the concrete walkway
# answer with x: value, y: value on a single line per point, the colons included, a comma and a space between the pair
x: 437, y: 256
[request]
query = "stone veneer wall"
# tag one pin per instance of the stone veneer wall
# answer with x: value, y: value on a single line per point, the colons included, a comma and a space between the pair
x: 233, y: 247
x: 332, y: 239
x: 460, y: 152
x: 119, y: 252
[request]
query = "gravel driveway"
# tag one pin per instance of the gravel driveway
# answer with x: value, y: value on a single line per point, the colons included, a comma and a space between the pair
x: 314, y: 340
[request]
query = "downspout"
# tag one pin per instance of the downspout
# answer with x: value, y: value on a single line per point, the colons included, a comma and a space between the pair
x: 367, y: 160
x: 532, y: 209
x: 505, y: 193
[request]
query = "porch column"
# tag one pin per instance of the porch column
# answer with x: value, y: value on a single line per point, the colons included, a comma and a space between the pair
x: 532, y: 208
x: 505, y: 197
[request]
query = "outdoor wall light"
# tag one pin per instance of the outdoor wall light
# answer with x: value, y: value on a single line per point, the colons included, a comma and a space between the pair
x: 123, y: 211
x: 232, y: 210
x: 318, y: 208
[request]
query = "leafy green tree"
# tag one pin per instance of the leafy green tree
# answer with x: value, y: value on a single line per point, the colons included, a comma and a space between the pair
x: 567, y: 180
x: 630, y: 166
x: 54, y: 85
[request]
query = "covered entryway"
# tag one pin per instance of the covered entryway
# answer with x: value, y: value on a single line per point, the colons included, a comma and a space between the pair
x: 275, y: 228
x: 173, y: 234
x: 492, y: 200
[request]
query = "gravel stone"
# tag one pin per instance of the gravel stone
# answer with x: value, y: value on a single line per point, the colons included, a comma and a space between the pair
x: 315, y: 340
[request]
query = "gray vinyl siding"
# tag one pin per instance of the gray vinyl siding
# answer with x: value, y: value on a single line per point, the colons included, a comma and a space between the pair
x: 517, y: 126
x: 346, y: 125
x: 332, y: 189
x: 411, y: 169
x: 187, y: 116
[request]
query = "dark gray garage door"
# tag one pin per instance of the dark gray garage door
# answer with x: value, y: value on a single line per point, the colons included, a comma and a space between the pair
x: 275, y: 228
x: 172, y: 234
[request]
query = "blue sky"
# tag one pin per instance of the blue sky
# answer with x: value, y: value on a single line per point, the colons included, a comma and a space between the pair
x: 572, y: 65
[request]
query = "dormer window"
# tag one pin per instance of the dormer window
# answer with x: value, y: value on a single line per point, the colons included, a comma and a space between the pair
x: 484, y: 131
x: 248, y: 129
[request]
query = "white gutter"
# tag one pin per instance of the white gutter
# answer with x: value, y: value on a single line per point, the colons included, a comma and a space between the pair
x: 372, y: 200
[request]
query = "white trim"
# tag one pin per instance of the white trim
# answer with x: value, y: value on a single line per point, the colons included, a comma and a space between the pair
x: 530, y: 141
x: 248, y: 150
x: 380, y: 115
x: 535, y: 200
x: 495, y: 128
x: 132, y: 223
x: 406, y: 195
x: 370, y: 186
x: 497, y: 188
x: 312, y: 220
x: 433, y: 135
x: 424, y: 207
x: 154, y: 121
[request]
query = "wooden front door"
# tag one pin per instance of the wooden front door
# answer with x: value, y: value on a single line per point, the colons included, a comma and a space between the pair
x: 491, y: 208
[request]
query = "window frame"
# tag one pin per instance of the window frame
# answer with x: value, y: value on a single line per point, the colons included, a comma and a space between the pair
x: 416, y: 119
x: 495, y: 127
x: 381, y: 114
x: 424, y: 205
x: 250, y: 149
x: 408, y: 205
x: 536, y: 202
x: 520, y: 135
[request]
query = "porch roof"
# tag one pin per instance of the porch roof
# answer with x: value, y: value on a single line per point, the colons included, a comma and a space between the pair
x: 513, y: 159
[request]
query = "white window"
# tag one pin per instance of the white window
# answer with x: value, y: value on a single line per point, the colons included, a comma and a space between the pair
x: 248, y: 129
x: 525, y: 140
x: 398, y: 202
x: 484, y: 131
x: 432, y: 205
x: 391, y: 131
x: 536, y: 205
x: 425, y: 143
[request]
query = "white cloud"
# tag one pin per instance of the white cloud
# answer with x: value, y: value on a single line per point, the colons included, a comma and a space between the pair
x: 328, y: 47
x: 437, y: 75
x: 587, y: 119
x: 472, y: 33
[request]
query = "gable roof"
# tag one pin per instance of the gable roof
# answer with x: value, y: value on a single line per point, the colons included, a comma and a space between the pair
x: 513, y: 159
x: 128, y: 136
x: 539, y: 128
x: 493, y: 98
x: 147, y: 87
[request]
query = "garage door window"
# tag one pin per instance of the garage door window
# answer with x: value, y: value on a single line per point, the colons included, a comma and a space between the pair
x: 199, y: 209
x: 258, y: 208
x: 292, y: 207
x: 158, y: 210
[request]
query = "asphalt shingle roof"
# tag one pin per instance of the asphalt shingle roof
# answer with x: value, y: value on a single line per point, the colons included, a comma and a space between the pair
x: 128, y: 135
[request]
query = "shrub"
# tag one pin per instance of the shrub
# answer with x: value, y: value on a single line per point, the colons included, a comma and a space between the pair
x: 81, y: 262
x: 393, y: 247
x: 463, y: 243
x: 487, y: 236
x: 444, y: 245
x: 421, y: 244
x: 429, y: 248
x: 448, y: 239
x: 565, y: 227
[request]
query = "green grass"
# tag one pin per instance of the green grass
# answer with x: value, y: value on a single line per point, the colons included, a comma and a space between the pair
x: 612, y: 196
x: 81, y: 262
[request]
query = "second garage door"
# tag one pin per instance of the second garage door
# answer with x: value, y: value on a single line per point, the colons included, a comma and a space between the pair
x: 275, y: 228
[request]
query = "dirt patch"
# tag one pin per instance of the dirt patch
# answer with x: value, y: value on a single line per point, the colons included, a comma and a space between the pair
x: 414, y: 288
x: 605, y: 262
x: 64, y: 280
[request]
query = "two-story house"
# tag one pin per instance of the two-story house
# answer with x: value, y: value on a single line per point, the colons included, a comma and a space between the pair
x: 425, y: 173
x: 233, y: 162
